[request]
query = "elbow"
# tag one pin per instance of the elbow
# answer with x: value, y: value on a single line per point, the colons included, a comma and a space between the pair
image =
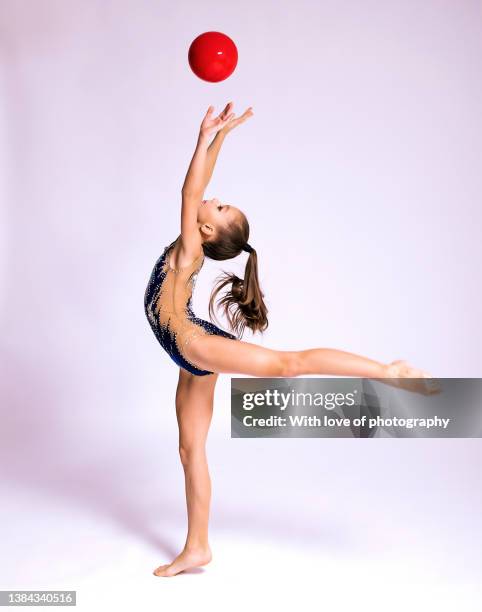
x: 191, y: 193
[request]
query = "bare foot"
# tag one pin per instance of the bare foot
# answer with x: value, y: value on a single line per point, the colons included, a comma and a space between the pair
x: 402, y: 375
x: 187, y: 559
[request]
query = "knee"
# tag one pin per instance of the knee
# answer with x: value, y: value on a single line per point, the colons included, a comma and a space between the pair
x: 190, y: 454
x: 289, y: 364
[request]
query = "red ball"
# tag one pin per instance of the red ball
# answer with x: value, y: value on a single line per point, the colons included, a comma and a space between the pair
x: 213, y: 56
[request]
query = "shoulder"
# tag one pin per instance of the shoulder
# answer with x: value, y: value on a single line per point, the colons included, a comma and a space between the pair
x: 189, y: 251
x: 180, y: 259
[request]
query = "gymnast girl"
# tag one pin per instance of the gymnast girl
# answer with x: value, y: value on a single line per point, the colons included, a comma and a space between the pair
x: 202, y: 350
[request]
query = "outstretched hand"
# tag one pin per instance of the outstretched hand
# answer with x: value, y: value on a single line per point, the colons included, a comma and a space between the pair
x: 234, y: 121
x: 224, y: 122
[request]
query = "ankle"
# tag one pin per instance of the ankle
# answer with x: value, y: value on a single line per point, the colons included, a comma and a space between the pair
x: 196, y: 547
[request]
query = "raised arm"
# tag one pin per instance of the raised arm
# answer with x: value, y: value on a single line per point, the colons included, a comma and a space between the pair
x: 200, y: 171
x: 197, y: 176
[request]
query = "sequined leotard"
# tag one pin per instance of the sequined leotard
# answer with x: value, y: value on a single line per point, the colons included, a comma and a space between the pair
x: 168, y: 307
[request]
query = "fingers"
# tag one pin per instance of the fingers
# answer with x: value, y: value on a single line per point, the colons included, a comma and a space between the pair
x: 247, y: 113
x: 227, y: 119
x: 227, y: 108
x: 227, y: 122
x: 223, y: 113
x: 225, y: 116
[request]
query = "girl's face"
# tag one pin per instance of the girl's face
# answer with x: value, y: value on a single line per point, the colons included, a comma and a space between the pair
x: 213, y: 213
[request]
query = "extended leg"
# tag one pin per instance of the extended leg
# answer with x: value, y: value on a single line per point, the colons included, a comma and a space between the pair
x: 223, y: 355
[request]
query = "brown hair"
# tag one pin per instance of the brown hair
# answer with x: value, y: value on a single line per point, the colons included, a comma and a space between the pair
x: 243, y: 304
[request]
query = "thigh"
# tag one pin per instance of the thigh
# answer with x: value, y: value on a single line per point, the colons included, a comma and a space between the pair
x: 194, y: 407
x: 223, y: 355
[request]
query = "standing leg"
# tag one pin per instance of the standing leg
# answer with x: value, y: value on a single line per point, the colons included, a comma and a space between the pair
x: 194, y: 408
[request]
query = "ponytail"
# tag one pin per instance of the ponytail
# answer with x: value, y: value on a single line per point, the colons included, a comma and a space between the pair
x: 243, y: 304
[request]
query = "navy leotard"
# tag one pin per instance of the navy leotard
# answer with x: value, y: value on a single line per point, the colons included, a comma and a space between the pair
x: 168, y: 308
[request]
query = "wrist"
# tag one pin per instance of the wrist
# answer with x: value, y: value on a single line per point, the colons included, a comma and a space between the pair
x: 203, y: 138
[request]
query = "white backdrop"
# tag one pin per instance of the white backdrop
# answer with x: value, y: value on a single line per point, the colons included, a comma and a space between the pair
x: 360, y: 175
